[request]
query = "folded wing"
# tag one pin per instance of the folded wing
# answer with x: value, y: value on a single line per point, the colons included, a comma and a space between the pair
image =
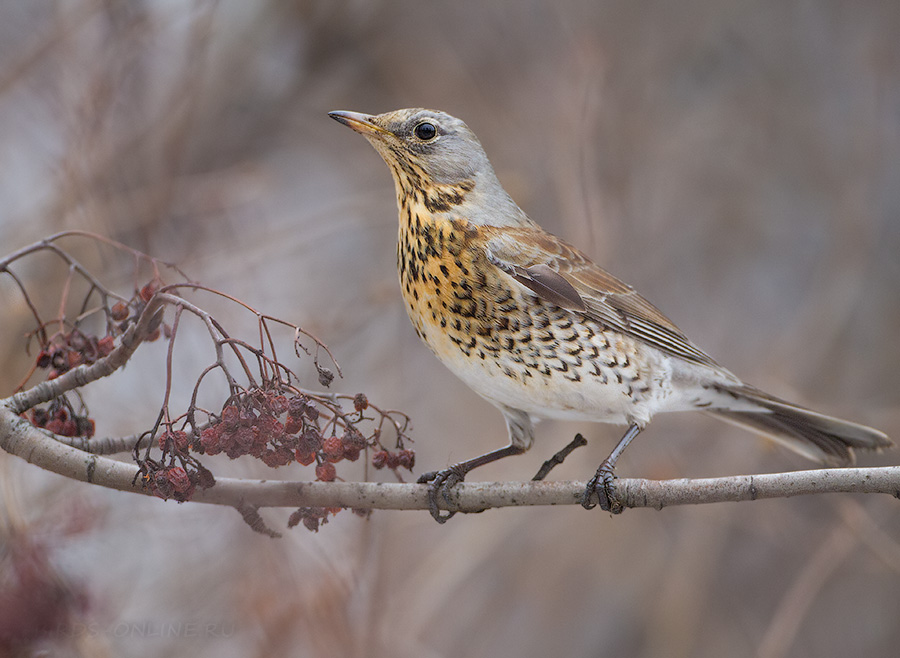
x: 560, y: 274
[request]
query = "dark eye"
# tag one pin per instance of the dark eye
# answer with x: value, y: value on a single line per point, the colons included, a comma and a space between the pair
x: 425, y: 131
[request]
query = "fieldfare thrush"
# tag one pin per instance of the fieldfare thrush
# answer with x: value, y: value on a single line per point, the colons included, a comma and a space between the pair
x: 532, y: 325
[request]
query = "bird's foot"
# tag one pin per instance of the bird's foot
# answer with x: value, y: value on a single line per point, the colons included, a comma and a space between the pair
x: 602, y: 486
x: 439, y: 484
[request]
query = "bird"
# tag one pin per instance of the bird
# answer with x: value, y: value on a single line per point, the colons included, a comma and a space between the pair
x: 536, y: 328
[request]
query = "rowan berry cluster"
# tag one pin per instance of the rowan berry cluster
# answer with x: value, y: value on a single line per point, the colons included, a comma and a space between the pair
x: 65, y: 351
x: 279, y: 429
x: 178, y: 473
x: 58, y: 417
x: 171, y: 482
x: 266, y: 416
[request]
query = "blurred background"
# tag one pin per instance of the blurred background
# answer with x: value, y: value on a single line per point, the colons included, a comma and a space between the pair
x: 738, y: 163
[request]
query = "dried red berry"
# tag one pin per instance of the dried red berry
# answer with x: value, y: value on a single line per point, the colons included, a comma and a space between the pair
x: 277, y: 404
x: 39, y: 416
x: 179, y: 477
x: 149, y: 290
x: 172, y: 482
x: 270, y: 429
x: 311, y: 440
x: 86, y: 427
x: 105, y: 345
x: 246, y: 437
x: 353, y: 438
x: 231, y: 416
x: 333, y: 449
x: 73, y: 359
x: 360, y: 402
x: 43, y: 359
x: 175, y: 482
x: 296, y: 406
x: 247, y: 417
x: 393, y: 460
x: 179, y: 440
x: 69, y: 428
x: 119, y: 311
x: 210, y: 439
x: 380, y: 458
x: 407, y: 459
x: 305, y: 457
x: 293, y: 424
x: 326, y: 472
x: 277, y: 457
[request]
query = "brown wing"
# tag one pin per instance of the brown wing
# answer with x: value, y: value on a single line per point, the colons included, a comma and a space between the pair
x: 562, y: 275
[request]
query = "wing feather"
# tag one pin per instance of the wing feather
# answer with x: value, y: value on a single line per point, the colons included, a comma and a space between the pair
x: 560, y: 274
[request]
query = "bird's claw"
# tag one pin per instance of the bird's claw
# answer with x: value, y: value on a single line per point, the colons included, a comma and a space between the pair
x: 440, y: 483
x: 602, y: 485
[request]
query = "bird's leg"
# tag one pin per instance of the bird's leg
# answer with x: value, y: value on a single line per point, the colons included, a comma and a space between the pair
x: 521, y: 436
x: 440, y: 482
x: 559, y: 457
x: 602, y: 482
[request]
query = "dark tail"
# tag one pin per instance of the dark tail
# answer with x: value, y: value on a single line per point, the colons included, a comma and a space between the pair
x: 816, y: 436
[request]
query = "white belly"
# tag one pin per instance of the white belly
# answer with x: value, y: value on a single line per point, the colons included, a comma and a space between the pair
x: 625, y: 383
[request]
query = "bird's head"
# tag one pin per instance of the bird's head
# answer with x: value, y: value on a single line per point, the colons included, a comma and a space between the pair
x: 436, y: 146
x: 436, y: 160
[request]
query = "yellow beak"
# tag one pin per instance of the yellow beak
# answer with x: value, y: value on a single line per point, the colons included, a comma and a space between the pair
x: 361, y: 123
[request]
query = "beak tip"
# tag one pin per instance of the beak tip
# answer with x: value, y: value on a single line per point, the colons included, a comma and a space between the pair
x: 339, y: 116
x: 361, y: 123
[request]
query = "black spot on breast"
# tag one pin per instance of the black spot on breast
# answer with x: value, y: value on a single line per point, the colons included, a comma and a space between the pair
x: 547, y: 337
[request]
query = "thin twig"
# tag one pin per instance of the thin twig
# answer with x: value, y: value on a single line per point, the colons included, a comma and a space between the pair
x: 559, y: 457
x: 19, y: 437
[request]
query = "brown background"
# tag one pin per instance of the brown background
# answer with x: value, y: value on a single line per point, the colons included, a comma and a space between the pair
x: 738, y: 163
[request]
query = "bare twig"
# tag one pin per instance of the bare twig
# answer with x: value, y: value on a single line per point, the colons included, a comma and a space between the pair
x: 557, y: 459
x: 19, y: 437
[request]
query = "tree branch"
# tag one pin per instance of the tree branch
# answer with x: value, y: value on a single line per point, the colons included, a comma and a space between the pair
x: 19, y: 437
x: 110, y: 445
x: 85, y: 374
